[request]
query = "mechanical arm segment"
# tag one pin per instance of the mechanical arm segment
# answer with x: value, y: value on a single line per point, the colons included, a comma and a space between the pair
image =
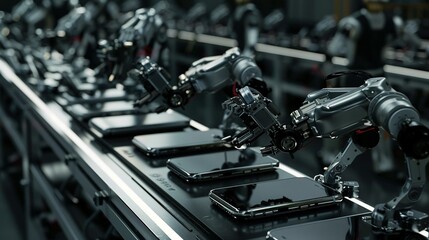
x: 209, y: 74
x: 79, y: 28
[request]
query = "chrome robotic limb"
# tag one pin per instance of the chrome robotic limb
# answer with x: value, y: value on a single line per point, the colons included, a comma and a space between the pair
x: 357, y: 113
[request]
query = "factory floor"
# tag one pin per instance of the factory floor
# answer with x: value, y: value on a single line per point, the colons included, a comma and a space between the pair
x: 374, y: 188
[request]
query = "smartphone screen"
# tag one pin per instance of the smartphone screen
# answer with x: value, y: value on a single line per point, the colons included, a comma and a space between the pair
x: 221, y: 165
x: 274, y: 197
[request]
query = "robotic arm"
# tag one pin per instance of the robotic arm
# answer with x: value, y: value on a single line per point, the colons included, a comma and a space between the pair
x: 20, y: 23
x: 327, y: 113
x: 80, y: 28
x: 208, y: 74
x: 84, y: 19
x: 72, y: 24
x: 357, y: 112
x: 143, y: 34
x: 73, y: 27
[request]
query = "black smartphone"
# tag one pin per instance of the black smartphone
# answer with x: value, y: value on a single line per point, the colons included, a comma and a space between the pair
x: 122, y: 125
x: 107, y: 95
x: 92, y: 109
x: 202, y: 189
x: 333, y: 229
x: 85, y: 112
x: 181, y: 143
x: 274, y: 197
x: 219, y: 165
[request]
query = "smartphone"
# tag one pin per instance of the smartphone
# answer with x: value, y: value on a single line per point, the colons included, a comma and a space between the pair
x: 202, y: 189
x: 220, y: 165
x: 85, y: 112
x: 339, y: 229
x: 107, y: 95
x: 111, y: 126
x: 180, y: 143
x: 274, y: 197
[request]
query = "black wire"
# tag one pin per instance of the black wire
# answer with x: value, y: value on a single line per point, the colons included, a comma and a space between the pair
x: 360, y: 75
